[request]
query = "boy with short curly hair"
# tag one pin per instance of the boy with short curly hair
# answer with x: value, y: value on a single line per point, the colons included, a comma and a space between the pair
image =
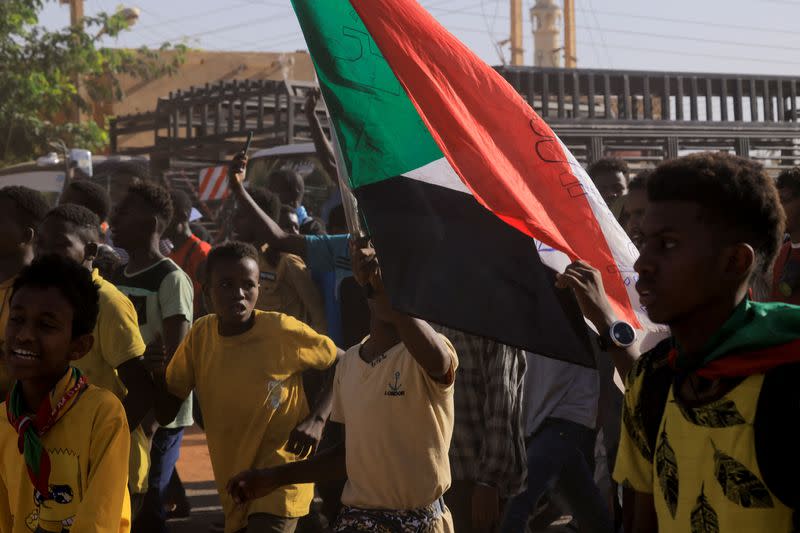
x: 163, y: 296
x: 699, y: 446
x: 64, y: 443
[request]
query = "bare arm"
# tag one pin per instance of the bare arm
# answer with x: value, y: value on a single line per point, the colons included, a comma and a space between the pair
x: 141, y: 391
x: 175, y: 329
x: 166, y: 404
x: 305, y: 438
x: 329, y: 465
x: 425, y: 345
x: 587, y: 284
x: 321, y: 143
x: 271, y: 233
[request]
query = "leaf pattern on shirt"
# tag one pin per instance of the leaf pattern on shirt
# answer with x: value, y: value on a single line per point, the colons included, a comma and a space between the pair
x: 667, y: 472
x: 633, y: 426
x: 720, y: 414
x: 739, y: 484
x: 704, y: 518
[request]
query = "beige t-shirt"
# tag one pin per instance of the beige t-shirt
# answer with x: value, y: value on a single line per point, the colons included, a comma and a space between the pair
x: 398, y: 424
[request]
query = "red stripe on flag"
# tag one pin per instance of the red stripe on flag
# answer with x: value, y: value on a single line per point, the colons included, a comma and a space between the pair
x: 503, y: 151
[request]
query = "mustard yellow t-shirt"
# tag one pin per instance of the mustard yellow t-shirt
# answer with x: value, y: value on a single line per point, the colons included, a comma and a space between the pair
x: 288, y: 288
x: 251, y: 393
x: 398, y: 425
x: 5, y: 304
x: 703, y: 472
x: 116, y: 341
x: 88, y: 450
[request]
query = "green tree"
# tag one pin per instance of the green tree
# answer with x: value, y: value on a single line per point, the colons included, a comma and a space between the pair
x: 41, y: 72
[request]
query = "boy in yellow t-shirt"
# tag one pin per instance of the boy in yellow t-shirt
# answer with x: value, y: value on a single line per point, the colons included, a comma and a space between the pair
x: 246, y: 366
x: 71, y: 472
x: 115, y: 361
x: 21, y: 211
x: 394, y: 395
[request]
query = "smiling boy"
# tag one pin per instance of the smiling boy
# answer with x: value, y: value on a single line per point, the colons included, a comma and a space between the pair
x: 246, y: 366
x: 705, y: 411
x: 70, y: 471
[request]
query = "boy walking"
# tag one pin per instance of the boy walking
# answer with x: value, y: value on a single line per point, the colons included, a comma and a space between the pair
x: 64, y: 444
x: 394, y: 395
x: 115, y: 361
x: 162, y: 295
x: 705, y: 413
x: 246, y: 366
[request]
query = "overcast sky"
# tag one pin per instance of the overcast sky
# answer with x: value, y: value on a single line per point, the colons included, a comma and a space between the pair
x: 738, y: 36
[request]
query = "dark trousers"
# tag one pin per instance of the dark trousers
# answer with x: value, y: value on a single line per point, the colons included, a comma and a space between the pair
x: 561, y: 452
x: 164, y: 452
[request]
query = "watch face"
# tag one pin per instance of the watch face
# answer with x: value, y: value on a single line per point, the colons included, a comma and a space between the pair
x: 623, y: 334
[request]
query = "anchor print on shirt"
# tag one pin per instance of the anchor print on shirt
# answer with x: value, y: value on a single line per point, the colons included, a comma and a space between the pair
x: 395, y: 388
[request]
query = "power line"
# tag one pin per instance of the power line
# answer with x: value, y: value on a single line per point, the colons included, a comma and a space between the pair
x: 699, y: 39
x: 602, y: 35
x: 234, y: 26
x: 653, y: 18
x: 490, y: 30
x: 694, y: 54
x: 696, y: 22
x: 184, y: 19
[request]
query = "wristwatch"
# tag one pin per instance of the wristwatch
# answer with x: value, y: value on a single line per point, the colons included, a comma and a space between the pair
x: 620, y: 334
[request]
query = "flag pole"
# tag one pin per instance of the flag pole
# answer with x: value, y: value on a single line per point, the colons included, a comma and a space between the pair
x: 349, y: 201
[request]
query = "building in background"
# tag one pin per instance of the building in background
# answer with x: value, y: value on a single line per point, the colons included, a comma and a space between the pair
x: 201, y: 68
x: 547, y: 21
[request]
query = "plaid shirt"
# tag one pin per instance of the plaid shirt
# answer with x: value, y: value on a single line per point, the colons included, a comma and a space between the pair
x: 488, y: 443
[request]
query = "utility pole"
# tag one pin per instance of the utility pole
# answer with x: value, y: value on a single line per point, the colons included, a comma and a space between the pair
x: 75, y: 12
x: 570, y: 50
x: 75, y: 19
x: 517, y: 51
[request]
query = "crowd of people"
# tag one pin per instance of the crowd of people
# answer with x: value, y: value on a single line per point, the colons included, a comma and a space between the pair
x: 123, y: 327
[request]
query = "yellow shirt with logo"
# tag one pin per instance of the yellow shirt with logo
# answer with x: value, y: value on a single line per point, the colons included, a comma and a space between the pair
x: 287, y: 288
x: 398, y: 425
x: 116, y: 341
x: 5, y: 303
x: 703, y: 473
x: 88, y: 449
x: 251, y: 393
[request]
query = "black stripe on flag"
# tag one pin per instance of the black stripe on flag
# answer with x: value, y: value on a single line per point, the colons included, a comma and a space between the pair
x: 447, y: 259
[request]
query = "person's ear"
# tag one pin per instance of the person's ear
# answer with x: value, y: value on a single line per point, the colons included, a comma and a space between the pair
x: 80, y: 346
x: 154, y: 225
x: 740, y: 261
x: 29, y: 236
x: 90, y: 251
